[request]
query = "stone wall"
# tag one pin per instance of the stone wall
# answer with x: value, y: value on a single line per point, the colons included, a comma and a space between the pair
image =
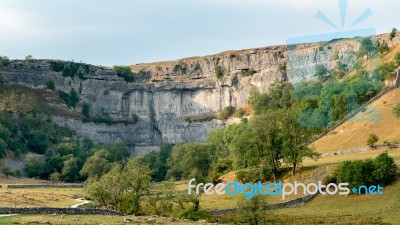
x: 295, y: 202
x: 59, y: 211
x: 16, y: 186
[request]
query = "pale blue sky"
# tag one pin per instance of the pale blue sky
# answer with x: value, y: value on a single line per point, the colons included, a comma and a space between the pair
x: 105, y: 32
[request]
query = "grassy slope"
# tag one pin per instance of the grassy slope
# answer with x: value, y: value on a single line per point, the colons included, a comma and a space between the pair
x: 354, y: 134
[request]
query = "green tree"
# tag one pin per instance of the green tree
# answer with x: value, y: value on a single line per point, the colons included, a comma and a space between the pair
x: 187, y: 157
x: 254, y: 210
x: 295, y: 138
x: 70, y: 170
x: 125, y: 72
x: 321, y: 72
x: 138, y: 176
x: 55, y: 177
x: 96, y: 165
x: 368, y: 47
x: 158, y: 162
x: 393, y: 33
x: 372, y: 140
x: 385, y: 169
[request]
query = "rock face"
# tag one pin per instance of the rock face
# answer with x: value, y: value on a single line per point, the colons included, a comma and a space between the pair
x: 175, y: 101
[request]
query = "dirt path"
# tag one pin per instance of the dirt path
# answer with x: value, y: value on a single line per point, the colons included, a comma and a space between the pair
x: 81, y: 202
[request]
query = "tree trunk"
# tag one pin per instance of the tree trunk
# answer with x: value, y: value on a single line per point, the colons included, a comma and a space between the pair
x: 294, y: 169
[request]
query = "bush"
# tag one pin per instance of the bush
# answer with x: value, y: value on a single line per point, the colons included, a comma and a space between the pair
x: 107, y: 119
x: 191, y: 214
x: 135, y: 118
x: 240, y: 113
x: 397, y: 59
x: 125, y: 72
x: 29, y: 58
x: 57, y: 66
x: 86, y: 110
x: 372, y: 140
x: 393, y: 33
x: 4, y: 61
x: 227, y: 112
x: 219, y: 71
x: 248, y: 72
x: 383, y: 47
x: 51, y: 84
x: 381, y: 170
x: 396, y: 110
x: 1, y: 81
x: 70, y: 99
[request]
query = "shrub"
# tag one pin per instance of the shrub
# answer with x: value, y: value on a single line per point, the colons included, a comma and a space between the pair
x: 57, y: 66
x: 125, y: 72
x: 397, y: 59
x: 51, y: 84
x: 381, y: 170
x: 396, y: 110
x: 107, y: 119
x: 385, y: 169
x: 227, y: 112
x: 248, y: 72
x: 372, y: 140
x: 29, y: 58
x: 135, y: 118
x: 86, y: 110
x: 383, y: 47
x: 70, y: 99
x: 240, y: 113
x: 1, y: 81
x: 219, y: 71
x: 4, y: 61
x: 393, y: 33
x: 282, y: 67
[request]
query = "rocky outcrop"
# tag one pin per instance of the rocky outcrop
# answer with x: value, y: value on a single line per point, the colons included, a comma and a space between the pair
x: 175, y: 101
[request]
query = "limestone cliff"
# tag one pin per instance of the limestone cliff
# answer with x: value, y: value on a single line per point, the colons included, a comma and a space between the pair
x: 176, y: 100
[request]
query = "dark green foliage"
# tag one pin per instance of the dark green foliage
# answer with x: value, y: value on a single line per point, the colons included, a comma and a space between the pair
x: 180, y: 68
x: 57, y: 66
x: 387, y: 68
x: 158, y: 162
x: 279, y: 96
x: 385, y: 169
x: 254, y: 210
x: 381, y: 170
x: 219, y: 168
x: 227, y: 112
x: 51, y: 84
x: 396, y: 110
x: 70, y: 99
x: 219, y: 71
x: 368, y: 47
x: 135, y: 118
x: 186, y: 158
x: 383, y: 48
x: 4, y: 61
x: 339, y: 109
x: 321, y: 72
x: 1, y: 81
x: 107, y: 119
x: 372, y: 140
x: 125, y: 72
x: 282, y: 67
x: 86, y: 110
x: 240, y: 113
x: 247, y: 72
x: 393, y: 33
x: 29, y: 132
x: 70, y: 69
x: 397, y: 59
x: 304, y: 91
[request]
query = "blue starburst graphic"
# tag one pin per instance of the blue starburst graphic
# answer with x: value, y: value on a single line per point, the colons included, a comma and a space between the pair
x: 354, y: 190
x: 343, y: 14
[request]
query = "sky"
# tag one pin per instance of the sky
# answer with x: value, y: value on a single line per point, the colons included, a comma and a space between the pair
x: 125, y: 32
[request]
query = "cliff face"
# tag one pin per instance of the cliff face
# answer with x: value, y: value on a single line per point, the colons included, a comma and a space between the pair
x: 175, y: 100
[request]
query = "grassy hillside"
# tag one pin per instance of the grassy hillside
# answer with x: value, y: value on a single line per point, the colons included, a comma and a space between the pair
x: 355, y: 132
